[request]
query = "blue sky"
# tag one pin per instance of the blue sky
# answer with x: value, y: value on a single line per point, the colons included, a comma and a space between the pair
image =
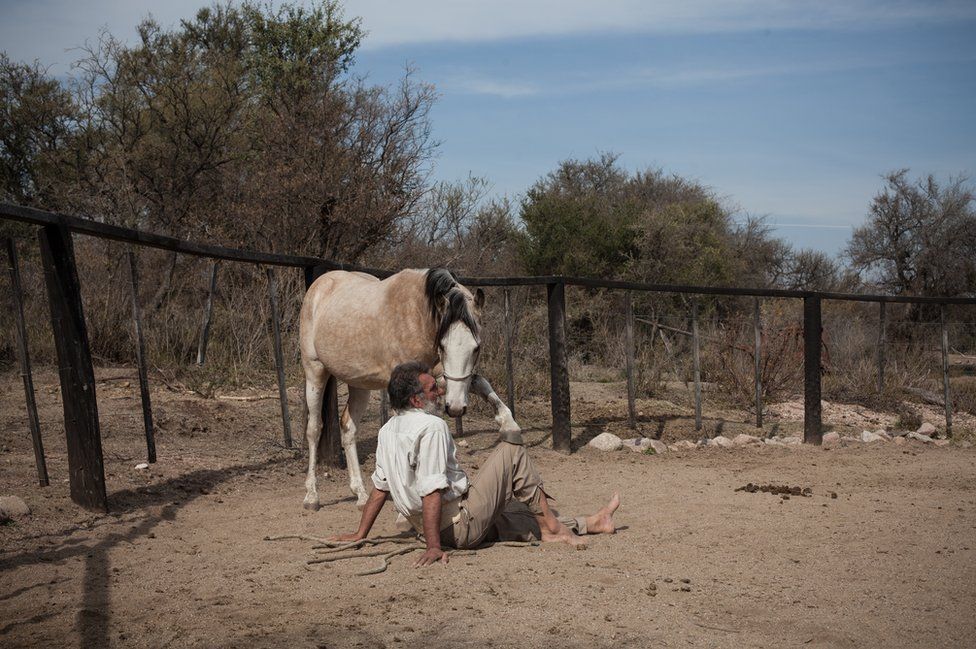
x: 790, y: 110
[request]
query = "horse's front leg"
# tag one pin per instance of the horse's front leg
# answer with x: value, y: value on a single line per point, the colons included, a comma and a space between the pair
x: 355, y: 407
x: 503, y: 416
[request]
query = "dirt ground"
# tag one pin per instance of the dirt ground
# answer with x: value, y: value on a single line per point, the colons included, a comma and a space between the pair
x: 181, y: 560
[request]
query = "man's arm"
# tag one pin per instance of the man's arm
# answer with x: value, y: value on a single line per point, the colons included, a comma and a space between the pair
x: 377, y: 498
x: 432, y: 529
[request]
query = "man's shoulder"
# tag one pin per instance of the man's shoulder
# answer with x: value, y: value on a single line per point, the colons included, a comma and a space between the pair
x: 418, y: 420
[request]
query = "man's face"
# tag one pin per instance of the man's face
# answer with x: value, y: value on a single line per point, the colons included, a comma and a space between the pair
x: 431, y: 397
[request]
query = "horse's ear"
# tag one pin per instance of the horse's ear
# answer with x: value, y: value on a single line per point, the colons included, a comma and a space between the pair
x: 479, y: 298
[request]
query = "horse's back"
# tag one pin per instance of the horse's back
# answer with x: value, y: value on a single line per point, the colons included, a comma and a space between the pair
x: 356, y: 325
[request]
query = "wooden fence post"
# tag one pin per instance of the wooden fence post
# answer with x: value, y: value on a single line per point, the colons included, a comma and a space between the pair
x: 947, y: 393
x: 85, y: 466
x: 207, y: 315
x: 558, y: 368
x: 629, y: 351
x: 279, y: 359
x: 812, y: 332
x: 757, y: 348
x: 329, y: 451
x: 147, y: 419
x: 882, y: 322
x: 696, y: 364
x: 23, y: 354
x: 509, y: 335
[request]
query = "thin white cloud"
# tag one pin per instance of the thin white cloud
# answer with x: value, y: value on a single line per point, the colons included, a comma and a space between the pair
x: 397, y: 23
x: 474, y: 82
x: 811, y: 226
x: 45, y: 29
x: 494, y: 88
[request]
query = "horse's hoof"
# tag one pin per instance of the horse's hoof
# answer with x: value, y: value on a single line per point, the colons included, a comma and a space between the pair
x: 512, y: 437
x: 313, y: 506
x: 510, y: 427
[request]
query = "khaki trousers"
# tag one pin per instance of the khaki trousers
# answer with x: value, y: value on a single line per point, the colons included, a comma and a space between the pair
x: 502, y: 502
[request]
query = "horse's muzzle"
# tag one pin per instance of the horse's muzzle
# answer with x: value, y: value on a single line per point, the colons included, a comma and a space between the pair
x: 447, y: 409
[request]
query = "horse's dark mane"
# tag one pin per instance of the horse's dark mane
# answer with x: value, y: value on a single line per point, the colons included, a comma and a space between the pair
x: 441, y: 284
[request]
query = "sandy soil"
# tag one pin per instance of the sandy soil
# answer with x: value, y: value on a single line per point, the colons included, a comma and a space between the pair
x: 180, y: 560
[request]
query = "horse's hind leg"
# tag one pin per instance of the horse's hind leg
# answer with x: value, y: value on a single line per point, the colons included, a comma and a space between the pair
x: 315, y: 379
x: 503, y: 416
x: 355, y: 407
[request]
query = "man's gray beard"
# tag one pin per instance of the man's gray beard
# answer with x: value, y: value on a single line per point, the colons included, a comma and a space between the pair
x: 432, y: 407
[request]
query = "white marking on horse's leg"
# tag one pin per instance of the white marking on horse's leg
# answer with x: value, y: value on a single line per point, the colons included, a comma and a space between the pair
x: 313, y: 398
x: 355, y: 406
x: 503, y: 416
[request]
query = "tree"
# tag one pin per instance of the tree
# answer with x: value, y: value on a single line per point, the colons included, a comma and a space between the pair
x: 242, y: 125
x: 592, y: 218
x: 580, y: 220
x: 810, y: 270
x: 920, y: 237
x: 37, y: 116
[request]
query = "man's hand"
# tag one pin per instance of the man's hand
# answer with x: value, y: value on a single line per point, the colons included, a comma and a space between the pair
x: 346, y: 537
x: 431, y: 555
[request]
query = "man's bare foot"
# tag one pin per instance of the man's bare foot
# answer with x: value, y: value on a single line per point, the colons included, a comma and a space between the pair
x: 602, y: 521
x: 564, y: 535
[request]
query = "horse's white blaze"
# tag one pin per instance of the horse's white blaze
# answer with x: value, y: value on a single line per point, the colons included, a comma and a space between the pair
x: 458, y: 357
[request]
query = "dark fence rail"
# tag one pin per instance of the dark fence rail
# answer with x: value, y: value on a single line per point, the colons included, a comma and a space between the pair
x: 81, y: 420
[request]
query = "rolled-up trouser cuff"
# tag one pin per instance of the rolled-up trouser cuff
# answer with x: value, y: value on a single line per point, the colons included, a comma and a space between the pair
x: 512, y: 437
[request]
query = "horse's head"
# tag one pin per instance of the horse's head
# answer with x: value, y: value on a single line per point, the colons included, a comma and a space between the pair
x: 457, y: 313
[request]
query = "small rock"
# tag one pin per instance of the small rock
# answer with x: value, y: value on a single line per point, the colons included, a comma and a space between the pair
x: 13, y: 507
x: 867, y: 437
x: 686, y: 589
x: 668, y: 580
x: 965, y: 444
x: 830, y: 440
x: 926, y: 429
x: 848, y: 440
x: 940, y: 442
x: 791, y: 440
x: 881, y: 432
x: 658, y: 446
x: 925, y: 439
x: 899, y: 441
x: 720, y: 441
x: 684, y: 445
x: 141, y: 466
x: 744, y: 440
x: 686, y: 581
x: 462, y: 442
x: 637, y: 444
x: 606, y: 442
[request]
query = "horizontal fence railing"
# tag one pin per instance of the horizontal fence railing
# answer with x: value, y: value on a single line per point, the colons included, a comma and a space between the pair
x: 129, y: 235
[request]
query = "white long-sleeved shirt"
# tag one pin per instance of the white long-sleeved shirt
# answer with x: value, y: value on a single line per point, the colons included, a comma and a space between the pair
x: 416, y: 456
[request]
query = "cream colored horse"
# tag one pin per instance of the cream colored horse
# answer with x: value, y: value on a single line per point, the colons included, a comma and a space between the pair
x: 357, y: 328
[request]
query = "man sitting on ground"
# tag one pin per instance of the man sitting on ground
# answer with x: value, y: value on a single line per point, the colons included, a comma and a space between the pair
x: 416, y: 466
